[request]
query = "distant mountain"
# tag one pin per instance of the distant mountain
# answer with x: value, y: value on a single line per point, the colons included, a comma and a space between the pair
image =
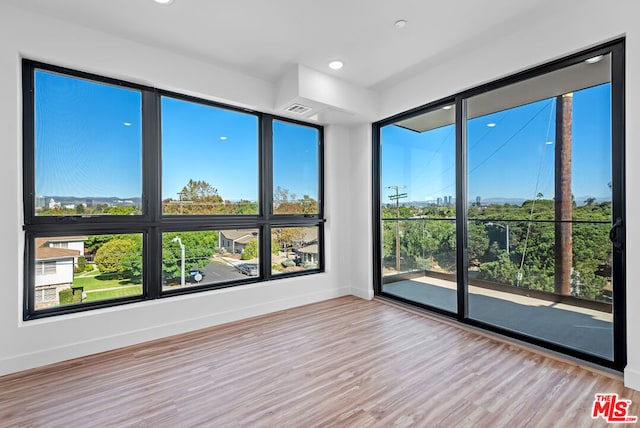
x: 580, y: 200
x: 501, y: 201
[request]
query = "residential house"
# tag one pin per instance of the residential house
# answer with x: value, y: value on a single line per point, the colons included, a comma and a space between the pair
x: 56, y: 259
x: 234, y: 241
x: 306, y: 250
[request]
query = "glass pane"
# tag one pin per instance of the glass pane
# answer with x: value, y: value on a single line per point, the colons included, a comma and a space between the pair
x: 426, y: 272
x: 418, y: 209
x: 540, y: 208
x: 294, y: 249
x: 209, y: 257
x: 79, y: 269
x: 295, y: 169
x: 88, y: 147
x: 209, y: 160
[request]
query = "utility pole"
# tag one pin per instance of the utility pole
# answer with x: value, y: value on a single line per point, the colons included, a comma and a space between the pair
x: 563, y: 200
x: 397, y: 198
x: 180, y: 196
x: 182, y: 256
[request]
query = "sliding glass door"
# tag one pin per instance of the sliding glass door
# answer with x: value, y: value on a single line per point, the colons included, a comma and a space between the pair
x: 503, y: 206
x: 418, y: 208
x: 539, y: 181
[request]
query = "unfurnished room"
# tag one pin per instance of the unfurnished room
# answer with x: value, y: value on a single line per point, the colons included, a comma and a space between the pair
x: 331, y: 214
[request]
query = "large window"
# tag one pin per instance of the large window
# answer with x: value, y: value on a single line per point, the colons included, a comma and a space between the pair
x: 88, y: 147
x: 209, y: 159
x: 503, y: 206
x: 295, y: 169
x: 132, y: 193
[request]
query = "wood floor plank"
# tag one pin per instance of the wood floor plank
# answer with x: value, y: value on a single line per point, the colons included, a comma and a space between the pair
x: 345, y: 362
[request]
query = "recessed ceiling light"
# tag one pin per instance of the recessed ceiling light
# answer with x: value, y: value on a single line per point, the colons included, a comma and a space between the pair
x: 336, y: 65
x: 223, y: 138
x: 593, y: 60
x: 449, y: 107
x: 400, y: 23
x: 163, y: 1
x: 126, y: 123
x: 491, y: 125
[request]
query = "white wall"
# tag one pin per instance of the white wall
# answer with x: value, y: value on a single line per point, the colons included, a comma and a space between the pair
x: 361, y: 269
x: 563, y: 28
x: 29, y: 344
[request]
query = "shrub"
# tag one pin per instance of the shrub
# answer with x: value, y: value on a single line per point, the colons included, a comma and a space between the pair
x: 65, y: 296
x: 81, y: 266
x: 250, y: 250
x: 288, y: 263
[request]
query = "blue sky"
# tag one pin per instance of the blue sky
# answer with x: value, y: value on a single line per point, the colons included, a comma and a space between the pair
x: 508, y: 151
x: 295, y: 159
x: 88, y: 143
x: 88, y: 138
x: 218, y: 146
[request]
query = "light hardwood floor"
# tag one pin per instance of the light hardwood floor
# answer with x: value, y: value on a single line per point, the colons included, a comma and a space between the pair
x: 345, y: 362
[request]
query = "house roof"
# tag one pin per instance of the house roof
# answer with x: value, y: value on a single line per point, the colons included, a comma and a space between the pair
x: 310, y: 234
x: 55, y: 253
x: 45, y: 252
x: 309, y: 249
x: 75, y: 238
x: 241, y: 236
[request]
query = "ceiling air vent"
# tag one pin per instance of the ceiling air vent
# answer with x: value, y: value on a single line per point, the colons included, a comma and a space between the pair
x: 298, y: 109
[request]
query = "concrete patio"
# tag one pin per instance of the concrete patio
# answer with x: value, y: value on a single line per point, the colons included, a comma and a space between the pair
x: 581, y: 328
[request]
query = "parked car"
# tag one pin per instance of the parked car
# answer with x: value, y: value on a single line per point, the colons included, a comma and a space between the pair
x: 250, y: 269
x: 195, y: 275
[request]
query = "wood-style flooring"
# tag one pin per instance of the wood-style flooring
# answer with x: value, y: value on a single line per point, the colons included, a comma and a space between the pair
x: 345, y: 362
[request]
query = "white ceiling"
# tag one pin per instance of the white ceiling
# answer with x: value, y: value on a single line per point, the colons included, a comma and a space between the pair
x: 264, y: 38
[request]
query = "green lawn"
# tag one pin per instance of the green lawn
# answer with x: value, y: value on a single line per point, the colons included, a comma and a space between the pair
x: 101, y: 287
x: 114, y: 294
x: 102, y: 281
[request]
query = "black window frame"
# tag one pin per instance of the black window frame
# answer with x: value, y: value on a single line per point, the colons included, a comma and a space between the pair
x: 152, y: 223
x: 617, y: 49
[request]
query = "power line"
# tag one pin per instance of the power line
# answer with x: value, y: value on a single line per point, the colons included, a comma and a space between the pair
x: 508, y: 139
x: 397, y: 198
x: 535, y: 197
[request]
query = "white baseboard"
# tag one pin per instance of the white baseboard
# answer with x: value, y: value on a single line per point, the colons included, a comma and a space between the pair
x: 632, y: 378
x: 363, y: 294
x: 44, y: 357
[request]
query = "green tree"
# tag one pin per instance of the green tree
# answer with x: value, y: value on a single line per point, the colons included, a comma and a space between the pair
x: 287, y: 203
x: 250, y: 250
x: 121, y: 210
x: 121, y: 256
x: 286, y: 237
x: 197, y: 197
x: 199, y: 250
x: 94, y: 242
x: 478, y: 242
